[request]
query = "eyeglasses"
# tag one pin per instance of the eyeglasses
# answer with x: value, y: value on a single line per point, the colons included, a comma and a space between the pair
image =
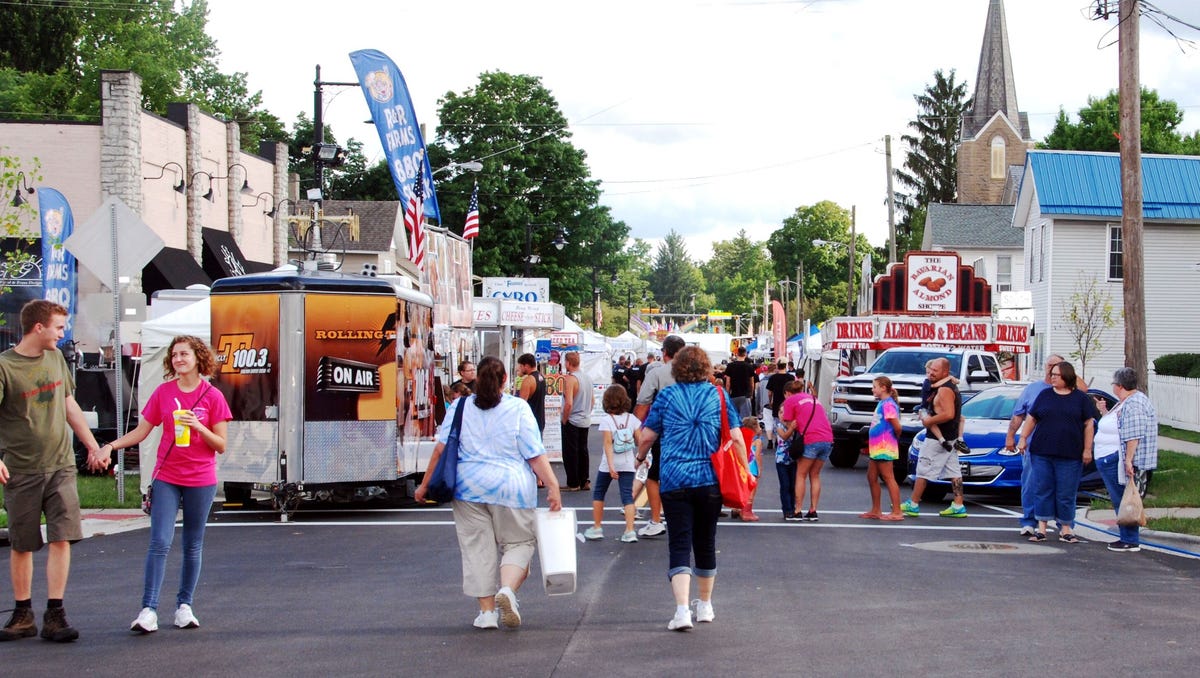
x: 1056, y: 374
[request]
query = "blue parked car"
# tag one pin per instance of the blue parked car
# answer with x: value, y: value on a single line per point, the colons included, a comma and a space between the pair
x: 986, y: 468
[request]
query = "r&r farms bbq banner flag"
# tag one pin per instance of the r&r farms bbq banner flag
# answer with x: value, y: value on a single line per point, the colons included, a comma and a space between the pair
x: 391, y: 109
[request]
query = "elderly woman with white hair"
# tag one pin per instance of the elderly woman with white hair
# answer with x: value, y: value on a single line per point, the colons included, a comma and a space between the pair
x: 1126, y: 445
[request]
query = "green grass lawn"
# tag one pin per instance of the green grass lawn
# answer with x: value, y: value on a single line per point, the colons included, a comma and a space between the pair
x: 99, y: 492
x: 1178, y: 433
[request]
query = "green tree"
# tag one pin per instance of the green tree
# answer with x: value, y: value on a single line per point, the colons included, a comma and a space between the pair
x: 534, y: 187
x: 1086, y: 315
x: 675, y: 280
x: 38, y: 37
x: 930, y: 172
x: 825, y: 266
x: 1100, y: 122
x: 735, y: 273
x: 167, y: 47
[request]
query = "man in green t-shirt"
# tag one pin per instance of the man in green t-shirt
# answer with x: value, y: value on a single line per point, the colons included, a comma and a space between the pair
x: 37, y: 466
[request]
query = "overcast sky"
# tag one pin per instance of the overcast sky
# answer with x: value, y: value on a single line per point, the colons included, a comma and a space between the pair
x: 705, y: 117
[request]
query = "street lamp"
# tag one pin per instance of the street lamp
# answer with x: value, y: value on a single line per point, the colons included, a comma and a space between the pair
x: 799, y: 290
x: 530, y: 258
x: 849, y: 270
x: 455, y: 167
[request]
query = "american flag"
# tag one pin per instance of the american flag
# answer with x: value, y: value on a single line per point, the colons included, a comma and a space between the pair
x: 844, y: 363
x: 414, y: 221
x: 471, y: 228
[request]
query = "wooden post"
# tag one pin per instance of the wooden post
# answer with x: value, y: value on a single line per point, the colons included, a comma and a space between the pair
x: 891, y: 202
x: 1131, y: 192
x: 850, y: 266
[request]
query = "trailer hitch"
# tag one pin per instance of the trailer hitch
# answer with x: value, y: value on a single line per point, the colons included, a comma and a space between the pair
x: 285, y: 498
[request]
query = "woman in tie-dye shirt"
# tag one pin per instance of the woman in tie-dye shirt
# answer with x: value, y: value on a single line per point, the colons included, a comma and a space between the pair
x: 687, y: 416
x: 883, y: 444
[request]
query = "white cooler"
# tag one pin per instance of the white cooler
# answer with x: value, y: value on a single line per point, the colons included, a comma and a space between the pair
x: 556, y: 550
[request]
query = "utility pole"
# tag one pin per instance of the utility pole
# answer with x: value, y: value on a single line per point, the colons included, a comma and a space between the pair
x: 1130, y: 97
x: 891, y: 201
x: 850, y: 265
x: 800, y: 302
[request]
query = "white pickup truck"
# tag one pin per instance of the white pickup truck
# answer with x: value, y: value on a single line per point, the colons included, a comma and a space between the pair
x: 852, y: 403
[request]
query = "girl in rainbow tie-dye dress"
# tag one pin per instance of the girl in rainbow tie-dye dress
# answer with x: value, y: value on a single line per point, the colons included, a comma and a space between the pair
x: 883, y: 445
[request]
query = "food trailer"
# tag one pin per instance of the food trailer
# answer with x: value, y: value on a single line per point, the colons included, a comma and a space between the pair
x: 330, y: 381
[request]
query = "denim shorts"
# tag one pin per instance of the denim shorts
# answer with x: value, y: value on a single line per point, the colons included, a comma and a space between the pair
x: 624, y: 483
x: 818, y: 451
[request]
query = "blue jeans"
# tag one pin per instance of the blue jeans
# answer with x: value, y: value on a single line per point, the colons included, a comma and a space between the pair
x: 197, y: 502
x: 1028, y: 499
x: 624, y: 484
x: 692, y: 514
x: 1108, y: 471
x: 787, y: 487
x: 1057, y: 482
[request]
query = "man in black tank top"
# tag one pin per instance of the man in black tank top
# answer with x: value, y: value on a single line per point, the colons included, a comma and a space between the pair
x: 533, y: 388
x: 938, y: 460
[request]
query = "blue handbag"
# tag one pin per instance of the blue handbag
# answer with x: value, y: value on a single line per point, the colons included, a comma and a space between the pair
x: 445, y: 473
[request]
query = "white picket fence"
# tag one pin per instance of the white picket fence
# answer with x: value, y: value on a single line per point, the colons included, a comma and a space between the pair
x: 1177, y: 400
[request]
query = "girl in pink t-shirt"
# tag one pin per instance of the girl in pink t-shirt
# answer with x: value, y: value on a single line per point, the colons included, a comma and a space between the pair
x: 194, y: 418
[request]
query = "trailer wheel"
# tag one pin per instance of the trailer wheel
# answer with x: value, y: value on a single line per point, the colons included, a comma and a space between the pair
x: 845, y: 453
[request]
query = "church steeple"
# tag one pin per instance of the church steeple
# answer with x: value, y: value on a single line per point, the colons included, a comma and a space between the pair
x: 995, y: 88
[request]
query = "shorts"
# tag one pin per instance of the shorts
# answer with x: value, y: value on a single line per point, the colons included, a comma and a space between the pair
x: 28, y: 495
x: 818, y: 451
x: 624, y: 484
x: 484, y: 528
x: 936, y: 463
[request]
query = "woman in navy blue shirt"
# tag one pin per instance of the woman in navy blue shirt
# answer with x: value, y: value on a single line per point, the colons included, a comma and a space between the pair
x: 1063, y: 418
x: 687, y: 417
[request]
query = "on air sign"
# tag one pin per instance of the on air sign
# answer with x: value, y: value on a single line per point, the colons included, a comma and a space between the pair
x: 932, y: 282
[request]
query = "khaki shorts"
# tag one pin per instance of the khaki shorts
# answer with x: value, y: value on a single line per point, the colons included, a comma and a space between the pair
x: 28, y: 495
x: 484, y: 528
x: 935, y: 463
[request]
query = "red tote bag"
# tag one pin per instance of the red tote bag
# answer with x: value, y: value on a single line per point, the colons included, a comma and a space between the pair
x: 732, y: 475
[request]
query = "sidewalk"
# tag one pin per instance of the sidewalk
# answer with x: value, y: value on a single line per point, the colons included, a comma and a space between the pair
x: 112, y: 521
x: 1191, y: 449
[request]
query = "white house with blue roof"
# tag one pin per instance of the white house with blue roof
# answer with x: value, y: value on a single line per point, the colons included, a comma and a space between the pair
x: 1069, y: 209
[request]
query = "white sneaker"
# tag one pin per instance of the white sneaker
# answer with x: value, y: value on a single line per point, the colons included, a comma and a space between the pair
x: 146, y: 622
x: 704, y: 610
x: 1027, y: 530
x: 184, y: 618
x: 487, y: 620
x: 682, y: 621
x: 593, y: 533
x: 651, y: 530
x: 510, y: 612
x: 629, y: 537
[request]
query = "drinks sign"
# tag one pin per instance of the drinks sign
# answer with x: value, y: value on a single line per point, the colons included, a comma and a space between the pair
x: 932, y: 281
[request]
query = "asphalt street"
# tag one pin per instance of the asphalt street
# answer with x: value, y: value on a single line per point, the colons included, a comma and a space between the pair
x: 376, y: 591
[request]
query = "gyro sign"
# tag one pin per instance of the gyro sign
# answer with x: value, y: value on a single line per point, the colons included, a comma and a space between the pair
x: 932, y: 283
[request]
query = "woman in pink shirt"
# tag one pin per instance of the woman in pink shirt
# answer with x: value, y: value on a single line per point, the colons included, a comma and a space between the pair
x: 185, y: 473
x: 804, y: 415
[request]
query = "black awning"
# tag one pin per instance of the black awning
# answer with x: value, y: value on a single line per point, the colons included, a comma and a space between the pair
x: 172, y: 269
x: 258, y: 266
x: 222, y: 258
